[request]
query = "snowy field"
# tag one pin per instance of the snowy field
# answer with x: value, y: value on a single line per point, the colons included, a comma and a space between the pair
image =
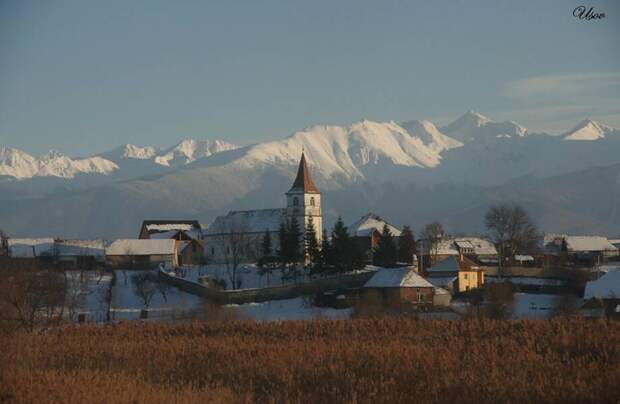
x: 248, y: 275
x: 525, y: 306
x: 167, y: 301
x: 524, y: 280
x: 531, y: 305
x: 290, y: 309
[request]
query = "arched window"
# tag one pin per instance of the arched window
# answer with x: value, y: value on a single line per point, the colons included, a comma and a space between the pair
x: 312, y: 201
x: 295, y: 201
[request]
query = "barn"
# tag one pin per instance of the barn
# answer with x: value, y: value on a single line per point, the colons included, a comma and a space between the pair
x: 396, y: 286
x: 140, y: 253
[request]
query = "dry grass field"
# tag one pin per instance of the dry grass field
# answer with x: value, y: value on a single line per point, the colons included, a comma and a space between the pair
x: 361, y: 360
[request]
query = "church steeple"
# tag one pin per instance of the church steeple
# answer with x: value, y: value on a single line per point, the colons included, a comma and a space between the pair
x: 303, y: 200
x: 303, y: 181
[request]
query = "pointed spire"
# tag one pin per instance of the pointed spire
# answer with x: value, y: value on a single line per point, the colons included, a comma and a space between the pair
x: 303, y: 181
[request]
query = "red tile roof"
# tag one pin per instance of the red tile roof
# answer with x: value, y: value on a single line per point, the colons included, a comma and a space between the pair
x: 303, y: 181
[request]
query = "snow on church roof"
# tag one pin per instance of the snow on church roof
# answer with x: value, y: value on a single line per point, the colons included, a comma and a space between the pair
x: 397, y: 278
x: 366, y: 224
x: 248, y: 221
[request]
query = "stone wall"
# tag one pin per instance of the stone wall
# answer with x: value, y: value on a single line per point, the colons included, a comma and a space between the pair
x: 271, y: 293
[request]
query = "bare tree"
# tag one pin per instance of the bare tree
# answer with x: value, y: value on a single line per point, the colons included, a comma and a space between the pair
x: 433, y: 233
x: 30, y: 295
x: 512, y: 231
x: 144, y: 287
x: 234, y: 244
x: 4, y: 239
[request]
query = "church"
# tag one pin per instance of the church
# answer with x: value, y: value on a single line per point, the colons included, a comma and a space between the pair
x: 238, y: 236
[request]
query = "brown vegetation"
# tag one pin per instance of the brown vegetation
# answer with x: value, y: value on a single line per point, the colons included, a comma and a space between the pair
x: 362, y: 360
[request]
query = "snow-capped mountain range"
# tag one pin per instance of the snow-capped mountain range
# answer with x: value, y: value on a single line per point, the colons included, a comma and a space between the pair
x: 20, y: 165
x: 411, y: 172
x: 335, y: 150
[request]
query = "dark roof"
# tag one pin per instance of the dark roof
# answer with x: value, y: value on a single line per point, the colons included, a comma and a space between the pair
x: 303, y: 181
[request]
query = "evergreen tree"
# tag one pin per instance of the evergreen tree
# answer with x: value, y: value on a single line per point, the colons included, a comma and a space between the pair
x: 266, y: 247
x: 294, y: 247
x: 341, y: 247
x: 311, y: 245
x: 385, y: 253
x: 265, y: 262
x: 282, y: 252
x: 406, y: 246
x: 325, y: 260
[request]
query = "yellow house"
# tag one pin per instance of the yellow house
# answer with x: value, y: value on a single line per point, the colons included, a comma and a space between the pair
x: 456, y: 273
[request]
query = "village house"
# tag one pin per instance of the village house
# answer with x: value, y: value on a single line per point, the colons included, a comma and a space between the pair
x: 172, y: 229
x: 79, y: 253
x: 190, y: 252
x: 366, y: 233
x: 395, y: 286
x: 602, y: 296
x: 456, y: 274
x: 477, y: 248
x: 140, y: 253
x: 585, y: 250
x: 30, y: 247
x: 239, y: 235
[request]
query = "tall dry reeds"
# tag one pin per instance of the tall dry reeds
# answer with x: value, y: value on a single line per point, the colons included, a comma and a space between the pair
x: 361, y: 360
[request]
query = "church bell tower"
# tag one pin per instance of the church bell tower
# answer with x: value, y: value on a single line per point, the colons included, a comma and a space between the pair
x: 303, y: 200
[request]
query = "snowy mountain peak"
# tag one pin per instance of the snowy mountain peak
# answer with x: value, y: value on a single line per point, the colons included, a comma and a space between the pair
x: 474, y: 126
x: 189, y: 150
x: 18, y: 164
x: 131, y: 151
x: 430, y: 135
x: 587, y: 129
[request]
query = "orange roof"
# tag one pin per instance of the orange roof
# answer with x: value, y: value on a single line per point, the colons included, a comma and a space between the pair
x: 303, y: 181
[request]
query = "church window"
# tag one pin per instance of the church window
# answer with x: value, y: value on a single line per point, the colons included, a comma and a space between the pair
x: 295, y: 201
x: 312, y: 201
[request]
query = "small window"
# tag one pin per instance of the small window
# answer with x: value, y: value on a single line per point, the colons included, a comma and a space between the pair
x: 312, y: 201
x: 212, y: 251
x: 465, y: 276
x: 295, y: 201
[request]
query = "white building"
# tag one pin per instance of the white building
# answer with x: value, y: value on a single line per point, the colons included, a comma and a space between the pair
x: 240, y: 233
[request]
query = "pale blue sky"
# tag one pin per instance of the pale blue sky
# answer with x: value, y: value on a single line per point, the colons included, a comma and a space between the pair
x: 84, y: 76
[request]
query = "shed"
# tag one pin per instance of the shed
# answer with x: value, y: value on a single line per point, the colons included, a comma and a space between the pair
x: 400, y: 285
x: 141, y: 253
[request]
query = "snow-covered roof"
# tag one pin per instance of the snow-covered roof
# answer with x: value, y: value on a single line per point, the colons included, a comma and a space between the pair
x: 142, y: 247
x: 248, y: 221
x: 442, y: 281
x: 579, y: 243
x: 607, y: 286
x: 94, y: 248
x: 523, y: 258
x: 160, y: 227
x: 479, y: 246
x: 370, y: 222
x: 589, y: 243
x: 452, y: 264
x: 30, y: 247
x: 397, y: 278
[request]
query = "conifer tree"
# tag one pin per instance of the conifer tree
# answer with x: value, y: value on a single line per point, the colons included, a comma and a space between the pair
x: 294, y: 247
x: 282, y: 252
x: 341, y: 247
x: 406, y: 246
x: 266, y: 247
x: 311, y: 245
x: 326, y: 256
x: 385, y: 253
